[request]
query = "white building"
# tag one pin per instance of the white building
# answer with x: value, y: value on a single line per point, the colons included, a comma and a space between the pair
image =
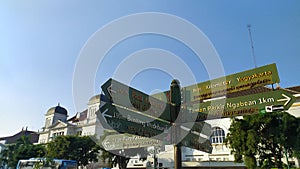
x: 191, y: 158
x: 83, y: 123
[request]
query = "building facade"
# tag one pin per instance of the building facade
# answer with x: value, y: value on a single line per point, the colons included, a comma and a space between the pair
x: 83, y: 123
x: 191, y: 158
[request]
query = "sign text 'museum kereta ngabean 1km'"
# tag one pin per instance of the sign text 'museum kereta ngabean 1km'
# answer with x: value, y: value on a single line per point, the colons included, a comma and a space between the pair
x: 260, y: 76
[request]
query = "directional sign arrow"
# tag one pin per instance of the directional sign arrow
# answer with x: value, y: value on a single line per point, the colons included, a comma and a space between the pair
x: 128, y: 141
x: 243, y: 105
x: 286, y: 98
x: 104, y: 109
x: 110, y: 90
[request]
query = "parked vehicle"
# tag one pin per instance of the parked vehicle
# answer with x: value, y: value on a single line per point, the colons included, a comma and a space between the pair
x: 43, y: 163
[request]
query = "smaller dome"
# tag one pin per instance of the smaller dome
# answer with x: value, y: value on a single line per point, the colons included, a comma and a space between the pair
x: 57, y: 109
x: 94, y: 99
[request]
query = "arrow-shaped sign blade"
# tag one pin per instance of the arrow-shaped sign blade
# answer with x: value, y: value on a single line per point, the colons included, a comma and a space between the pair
x: 244, y: 105
x: 128, y: 141
x: 125, y: 120
x: 126, y: 96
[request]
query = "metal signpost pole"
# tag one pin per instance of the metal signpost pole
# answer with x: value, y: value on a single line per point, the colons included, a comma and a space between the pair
x: 154, y: 158
x: 175, y: 98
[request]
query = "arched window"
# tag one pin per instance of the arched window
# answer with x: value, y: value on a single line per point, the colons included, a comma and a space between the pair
x: 217, y: 136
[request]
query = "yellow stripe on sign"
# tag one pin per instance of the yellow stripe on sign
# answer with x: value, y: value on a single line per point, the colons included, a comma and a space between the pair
x: 295, y: 105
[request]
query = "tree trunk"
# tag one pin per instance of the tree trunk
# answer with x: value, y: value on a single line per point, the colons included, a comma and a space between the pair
x: 122, y: 162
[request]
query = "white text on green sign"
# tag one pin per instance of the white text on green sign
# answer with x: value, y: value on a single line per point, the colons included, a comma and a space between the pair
x: 244, y: 105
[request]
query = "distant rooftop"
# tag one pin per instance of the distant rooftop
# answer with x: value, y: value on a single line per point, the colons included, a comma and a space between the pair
x: 33, y: 137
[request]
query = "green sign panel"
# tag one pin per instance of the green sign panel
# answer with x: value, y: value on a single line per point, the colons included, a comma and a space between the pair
x: 128, y: 141
x: 127, y: 121
x: 244, y: 105
x: 131, y: 98
x: 260, y: 76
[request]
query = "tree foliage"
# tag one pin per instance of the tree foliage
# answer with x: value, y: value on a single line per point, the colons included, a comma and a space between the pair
x: 107, y: 157
x: 83, y: 149
x: 22, y: 149
x: 266, y: 136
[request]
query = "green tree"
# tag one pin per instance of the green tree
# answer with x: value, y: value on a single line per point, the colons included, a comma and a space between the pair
x: 266, y: 136
x: 22, y: 149
x: 7, y: 155
x: 291, y: 135
x: 58, y: 148
x: 107, y: 157
x: 83, y: 149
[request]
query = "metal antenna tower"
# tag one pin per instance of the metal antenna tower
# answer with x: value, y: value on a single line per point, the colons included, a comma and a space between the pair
x: 252, y: 47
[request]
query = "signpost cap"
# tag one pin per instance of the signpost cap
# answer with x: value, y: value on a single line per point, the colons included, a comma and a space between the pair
x: 175, y: 82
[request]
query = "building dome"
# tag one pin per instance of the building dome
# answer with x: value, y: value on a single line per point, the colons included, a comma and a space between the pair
x: 57, y: 109
x: 94, y: 99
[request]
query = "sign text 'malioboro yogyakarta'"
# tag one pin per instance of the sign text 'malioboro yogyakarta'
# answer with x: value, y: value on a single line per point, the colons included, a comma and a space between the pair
x: 260, y: 76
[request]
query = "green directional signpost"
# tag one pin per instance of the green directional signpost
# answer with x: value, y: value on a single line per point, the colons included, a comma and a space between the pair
x: 131, y: 111
x: 244, y: 105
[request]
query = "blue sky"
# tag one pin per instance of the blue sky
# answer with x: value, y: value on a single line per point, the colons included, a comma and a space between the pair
x: 41, y: 42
